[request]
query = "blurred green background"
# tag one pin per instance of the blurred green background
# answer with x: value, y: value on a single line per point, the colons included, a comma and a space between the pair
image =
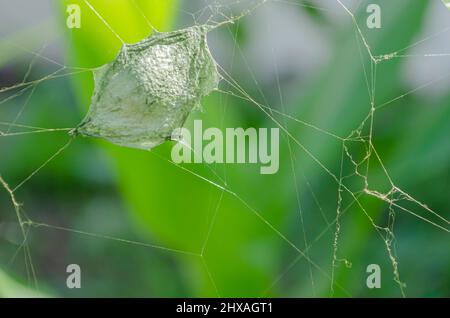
x: 307, y: 52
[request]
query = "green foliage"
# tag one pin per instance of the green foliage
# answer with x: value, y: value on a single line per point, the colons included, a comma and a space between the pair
x: 10, y: 288
x: 243, y: 255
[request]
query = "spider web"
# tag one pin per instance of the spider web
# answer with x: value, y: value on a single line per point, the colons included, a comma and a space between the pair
x: 358, y: 152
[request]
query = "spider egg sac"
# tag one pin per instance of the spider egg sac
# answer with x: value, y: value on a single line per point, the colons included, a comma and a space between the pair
x: 150, y: 88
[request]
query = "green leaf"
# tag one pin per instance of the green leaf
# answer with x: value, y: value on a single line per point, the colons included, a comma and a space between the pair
x: 9, y: 288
